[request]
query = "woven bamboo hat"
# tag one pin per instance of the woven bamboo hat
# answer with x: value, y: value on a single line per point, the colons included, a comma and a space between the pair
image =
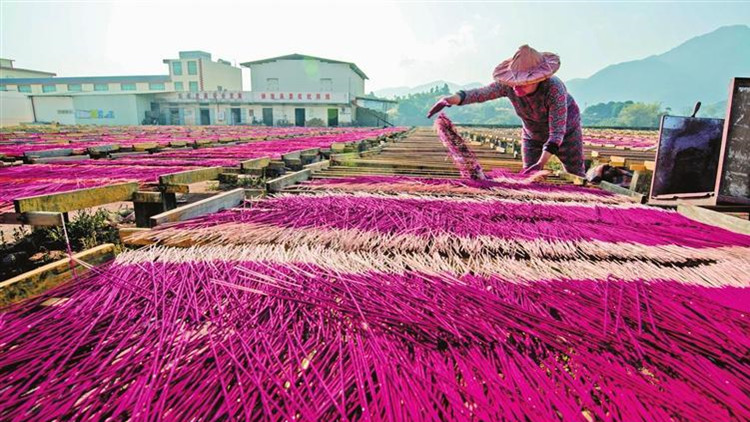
x: 527, y: 66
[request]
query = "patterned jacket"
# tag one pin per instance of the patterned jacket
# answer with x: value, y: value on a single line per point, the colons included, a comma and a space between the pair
x: 548, y: 114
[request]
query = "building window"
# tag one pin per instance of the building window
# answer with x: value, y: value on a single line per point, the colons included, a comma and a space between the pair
x: 101, y: 87
x: 74, y: 88
x: 177, y: 68
x: 326, y: 85
x: 192, y: 68
x: 24, y: 88
x: 156, y: 86
x: 220, y: 89
x: 193, y: 86
x: 272, y: 84
x: 178, y: 86
x: 49, y: 88
x: 127, y: 87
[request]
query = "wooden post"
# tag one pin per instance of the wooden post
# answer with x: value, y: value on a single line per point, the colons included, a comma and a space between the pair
x: 205, y: 206
x: 77, y: 199
x: 36, y: 219
x: 714, y: 218
x: 43, y: 278
x: 641, y: 181
x: 279, y: 183
x: 611, y: 187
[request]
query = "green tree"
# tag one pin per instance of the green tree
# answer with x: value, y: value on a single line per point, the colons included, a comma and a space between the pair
x: 603, y: 114
x: 640, y: 115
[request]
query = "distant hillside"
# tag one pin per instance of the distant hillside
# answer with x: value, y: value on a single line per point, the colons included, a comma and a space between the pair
x: 401, y: 91
x: 698, y: 70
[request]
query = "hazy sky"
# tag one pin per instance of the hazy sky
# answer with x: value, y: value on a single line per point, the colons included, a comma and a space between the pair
x: 394, y: 43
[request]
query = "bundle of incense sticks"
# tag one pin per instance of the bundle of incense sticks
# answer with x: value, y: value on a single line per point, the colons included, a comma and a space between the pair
x: 462, y: 156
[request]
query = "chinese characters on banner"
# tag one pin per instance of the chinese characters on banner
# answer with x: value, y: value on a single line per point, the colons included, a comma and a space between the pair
x: 292, y: 96
x: 95, y: 114
x: 277, y: 96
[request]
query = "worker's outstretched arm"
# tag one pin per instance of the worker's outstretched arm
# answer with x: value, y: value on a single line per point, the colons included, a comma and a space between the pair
x: 478, y: 95
x: 485, y: 93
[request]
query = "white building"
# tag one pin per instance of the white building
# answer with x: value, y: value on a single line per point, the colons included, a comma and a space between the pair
x: 294, y: 89
x: 194, y: 71
x: 7, y: 70
x: 288, y: 90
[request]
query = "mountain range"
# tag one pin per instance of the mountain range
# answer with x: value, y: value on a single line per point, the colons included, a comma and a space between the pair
x: 401, y: 91
x: 699, y: 69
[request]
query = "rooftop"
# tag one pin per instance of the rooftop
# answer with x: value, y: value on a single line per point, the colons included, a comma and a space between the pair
x: 195, y: 54
x: 296, y: 56
x: 87, y: 79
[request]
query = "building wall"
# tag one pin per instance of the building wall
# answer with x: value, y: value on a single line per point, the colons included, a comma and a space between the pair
x: 216, y: 75
x: 15, y: 108
x: 107, y: 110
x: 184, y: 78
x: 209, y: 75
x: 287, y: 112
x: 54, y: 109
x: 140, y: 87
x: 6, y: 72
x: 111, y: 110
x: 305, y: 76
x: 142, y: 105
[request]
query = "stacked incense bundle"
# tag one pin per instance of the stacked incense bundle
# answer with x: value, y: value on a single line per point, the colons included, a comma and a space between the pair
x: 389, y: 298
x: 258, y: 341
x: 509, y: 185
x: 39, y: 179
x: 458, y: 150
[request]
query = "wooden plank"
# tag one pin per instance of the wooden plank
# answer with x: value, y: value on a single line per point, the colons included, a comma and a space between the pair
x: 178, y: 188
x: 279, y: 183
x: 205, y: 206
x: 58, y: 152
x: 610, y: 187
x: 255, y: 164
x: 348, y: 156
x: 239, y: 179
x: 291, y: 155
x: 191, y: 176
x: 150, y: 197
x: 577, y: 180
x: 641, y: 181
x: 309, y: 151
x: 125, y: 154
x: 320, y: 165
x: 715, y: 218
x: 45, y: 160
x: 54, y: 274
x: 371, y: 152
x: 126, y: 234
x: 143, y: 146
x: 254, y: 193
x: 39, y: 218
x: 177, y: 143
x: 77, y: 199
x: 100, y: 149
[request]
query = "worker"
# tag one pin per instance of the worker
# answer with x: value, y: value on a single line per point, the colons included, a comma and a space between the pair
x: 551, y: 118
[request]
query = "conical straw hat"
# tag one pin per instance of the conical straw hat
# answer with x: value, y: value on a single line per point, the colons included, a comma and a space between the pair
x: 526, y: 66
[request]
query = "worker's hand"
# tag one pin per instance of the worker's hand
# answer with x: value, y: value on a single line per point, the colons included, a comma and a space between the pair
x: 539, y: 165
x: 532, y: 169
x: 442, y: 103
